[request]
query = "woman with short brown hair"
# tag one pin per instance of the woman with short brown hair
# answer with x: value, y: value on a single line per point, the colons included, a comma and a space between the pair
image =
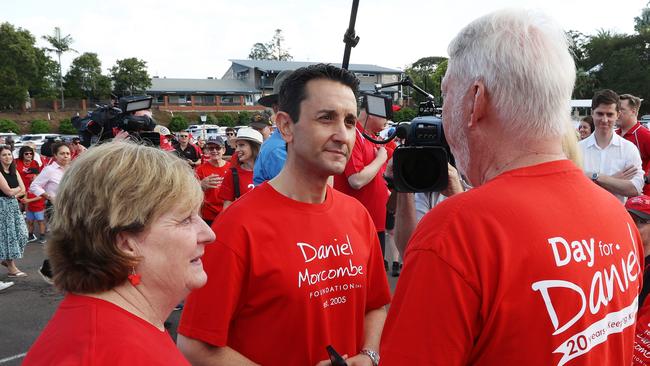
x: 126, y: 245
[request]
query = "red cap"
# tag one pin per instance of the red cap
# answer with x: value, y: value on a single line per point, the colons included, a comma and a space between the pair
x: 396, y: 108
x: 639, y: 206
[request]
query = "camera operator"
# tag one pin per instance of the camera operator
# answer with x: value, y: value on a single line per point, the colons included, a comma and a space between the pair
x: 511, y: 271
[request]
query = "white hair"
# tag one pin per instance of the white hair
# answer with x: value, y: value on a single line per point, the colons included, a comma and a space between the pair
x: 523, y: 59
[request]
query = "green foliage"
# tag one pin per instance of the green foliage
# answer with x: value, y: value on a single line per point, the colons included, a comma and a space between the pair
x: 426, y: 73
x: 40, y: 126
x: 7, y: 125
x: 44, y: 84
x: 642, y: 22
x: 210, y: 119
x: 272, y: 50
x: 226, y: 119
x: 405, y: 114
x: 85, y: 79
x: 178, y: 123
x: 244, y: 118
x: 130, y: 76
x: 18, y: 65
x: 66, y: 127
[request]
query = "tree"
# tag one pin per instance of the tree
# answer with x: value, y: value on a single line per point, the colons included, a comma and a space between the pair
x: 425, y: 74
x: 18, y: 65
x: 272, y: 50
x: 44, y: 83
x: 59, y: 46
x: 260, y: 51
x: 130, y: 76
x: 85, y: 79
x: 642, y: 22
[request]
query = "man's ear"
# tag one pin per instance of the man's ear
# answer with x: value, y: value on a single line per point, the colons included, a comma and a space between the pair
x: 284, y: 124
x: 479, y: 102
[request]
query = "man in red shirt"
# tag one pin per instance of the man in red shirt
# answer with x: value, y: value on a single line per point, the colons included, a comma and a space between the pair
x: 632, y: 131
x: 536, y: 265
x: 363, y: 177
x: 296, y: 265
x: 211, y: 174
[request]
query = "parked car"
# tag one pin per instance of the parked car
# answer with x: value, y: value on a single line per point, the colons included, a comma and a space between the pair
x: 9, y: 134
x: 205, y: 131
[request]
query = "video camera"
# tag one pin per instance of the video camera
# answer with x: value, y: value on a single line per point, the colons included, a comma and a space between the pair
x: 420, y: 163
x: 98, y: 125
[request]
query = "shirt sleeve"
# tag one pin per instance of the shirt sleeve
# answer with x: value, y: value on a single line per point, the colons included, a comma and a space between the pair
x: 634, y: 158
x: 227, y: 190
x: 378, y: 292
x: 433, y: 318
x: 355, y: 164
x: 209, y: 310
x: 38, y: 184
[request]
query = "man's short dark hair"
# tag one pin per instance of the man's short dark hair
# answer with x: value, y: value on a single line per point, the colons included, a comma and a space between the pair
x: 292, y: 91
x: 607, y: 97
x: 230, y: 129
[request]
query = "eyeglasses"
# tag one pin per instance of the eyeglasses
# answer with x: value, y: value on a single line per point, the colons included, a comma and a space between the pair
x: 638, y: 220
x: 230, y: 133
x: 210, y: 148
x: 28, y: 153
x: 183, y: 136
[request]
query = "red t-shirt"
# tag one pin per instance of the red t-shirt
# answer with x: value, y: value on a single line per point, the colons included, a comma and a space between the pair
x: 27, y: 176
x: 280, y: 295
x: 539, y: 266
x: 640, y: 137
x: 212, y: 204
x: 227, y: 190
x: 90, y: 331
x: 642, y: 340
x: 373, y: 195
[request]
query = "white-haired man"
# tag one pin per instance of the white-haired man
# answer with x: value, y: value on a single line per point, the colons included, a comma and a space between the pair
x: 536, y: 265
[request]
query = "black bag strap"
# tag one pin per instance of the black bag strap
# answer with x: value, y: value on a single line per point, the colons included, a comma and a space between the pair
x: 235, y: 181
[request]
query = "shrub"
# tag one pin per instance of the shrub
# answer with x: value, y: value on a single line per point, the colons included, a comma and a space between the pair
x: 178, y: 123
x: 40, y: 126
x: 226, y: 119
x: 66, y: 127
x: 7, y: 125
x: 244, y: 118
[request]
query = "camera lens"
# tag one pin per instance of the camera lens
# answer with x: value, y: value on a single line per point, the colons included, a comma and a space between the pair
x: 420, y: 169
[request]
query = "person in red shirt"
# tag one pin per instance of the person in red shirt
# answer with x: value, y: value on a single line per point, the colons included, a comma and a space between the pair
x: 296, y: 265
x: 28, y: 168
x: 363, y: 177
x: 247, y: 144
x: 634, y: 132
x: 125, y: 250
x: 211, y: 174
x: 535, y: 265
x: 639, y: 209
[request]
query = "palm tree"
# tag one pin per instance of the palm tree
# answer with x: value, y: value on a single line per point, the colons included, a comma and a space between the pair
x: 59, y: 45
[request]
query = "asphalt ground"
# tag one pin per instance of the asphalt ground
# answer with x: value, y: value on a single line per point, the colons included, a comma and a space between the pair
x: 27, y: 306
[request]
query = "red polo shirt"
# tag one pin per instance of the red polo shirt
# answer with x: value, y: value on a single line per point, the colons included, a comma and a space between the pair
x: 640, y: 136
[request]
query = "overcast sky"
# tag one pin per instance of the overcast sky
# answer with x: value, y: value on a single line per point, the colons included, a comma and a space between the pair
x: 195, y: 39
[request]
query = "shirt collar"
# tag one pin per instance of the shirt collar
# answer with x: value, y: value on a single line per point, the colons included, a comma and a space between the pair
x: 591, y: 140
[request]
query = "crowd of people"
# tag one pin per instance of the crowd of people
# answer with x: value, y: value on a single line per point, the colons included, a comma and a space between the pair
x: 279, y: 237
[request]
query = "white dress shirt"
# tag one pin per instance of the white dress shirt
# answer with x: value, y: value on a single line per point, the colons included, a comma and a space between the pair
x: 48, y: 180
x: 616, y: 156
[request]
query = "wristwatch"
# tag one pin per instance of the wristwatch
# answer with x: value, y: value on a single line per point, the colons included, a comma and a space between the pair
x: 594, y: 177
x: 374, y: 356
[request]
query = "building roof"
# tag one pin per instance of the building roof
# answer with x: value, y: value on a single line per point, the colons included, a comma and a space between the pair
x: 277, y: 66
x: 166, y: 85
